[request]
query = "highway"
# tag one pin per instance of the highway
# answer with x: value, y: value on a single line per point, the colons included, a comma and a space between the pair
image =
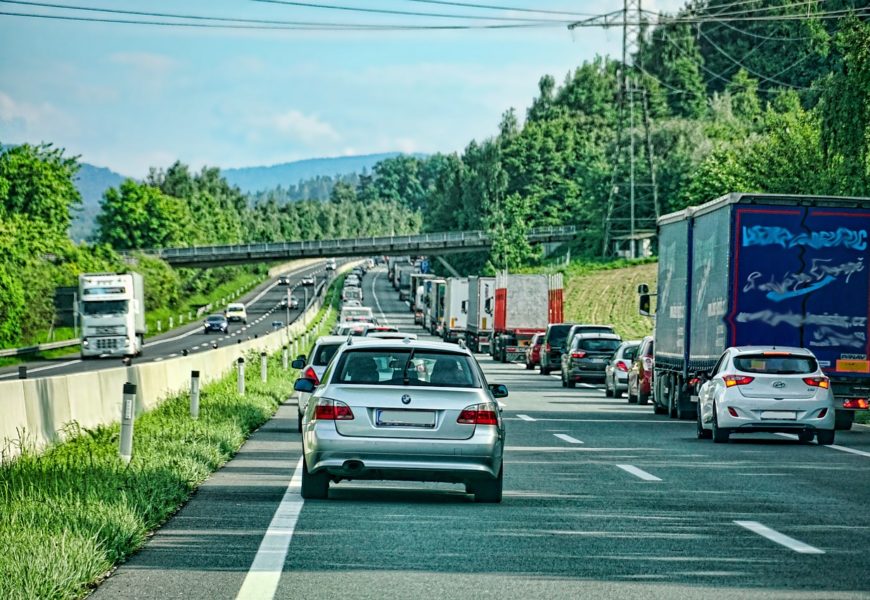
x: 262, y: 308
x: 602, y: 500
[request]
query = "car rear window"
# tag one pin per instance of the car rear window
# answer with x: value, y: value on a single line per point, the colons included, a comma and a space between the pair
x: 790, y: 364
x: 598, y: 345
x: 630, y: 352
x: 324, y: 354
x: 384, y: 366
x: 557, y: 334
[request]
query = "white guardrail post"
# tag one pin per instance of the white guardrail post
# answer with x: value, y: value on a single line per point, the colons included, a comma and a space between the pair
x: 241, y: 376
x: 194, y: 395
x: 128, y: 416
x: 264, y: 366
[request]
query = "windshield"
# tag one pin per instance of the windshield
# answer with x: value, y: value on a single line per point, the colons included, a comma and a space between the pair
x: 598, y: 345
x: 105, y: 307
x: 630, y: 352
x: 324, y: 354
x: 557, y: 334
x: 216, y: 319
x: 386, y: 366
x: 776, y: 365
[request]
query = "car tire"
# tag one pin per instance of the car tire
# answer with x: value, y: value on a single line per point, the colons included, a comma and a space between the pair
x: 489, y: 491
x: 299, y: 422
x: 642, y: 398
x: 571, y: 383
x: 544, y: 371
x: 564, y: 382
x: 843, y: 420
x: 805, y: 437
x: 529, y: 366
x: 720, y: 436
x: 825, y: 437
x: 608, y: 392
x: 659, y: 410
x: 632, y: 399
x: 703, y: 434
x: 314, y: 486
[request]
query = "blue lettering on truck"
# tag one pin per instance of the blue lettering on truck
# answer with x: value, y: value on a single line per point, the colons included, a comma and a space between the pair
x: 801, y: 278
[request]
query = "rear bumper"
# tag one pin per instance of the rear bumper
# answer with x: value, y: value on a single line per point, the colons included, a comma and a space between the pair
x: 576, y: 373
x: 478, y: 457
x: 749, y: 422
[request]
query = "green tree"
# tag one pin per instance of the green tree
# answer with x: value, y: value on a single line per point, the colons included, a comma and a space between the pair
x: 139, y: 216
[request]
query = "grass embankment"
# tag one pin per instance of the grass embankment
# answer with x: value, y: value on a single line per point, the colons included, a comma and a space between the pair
x: 73, y: 512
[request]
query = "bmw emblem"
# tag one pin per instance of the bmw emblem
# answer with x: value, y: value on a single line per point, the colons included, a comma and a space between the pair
x: 406, y: 399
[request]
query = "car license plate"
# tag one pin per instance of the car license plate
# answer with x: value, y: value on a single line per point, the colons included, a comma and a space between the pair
x: 405, y: 418
x: 782, y: 415
x: 598, y: 361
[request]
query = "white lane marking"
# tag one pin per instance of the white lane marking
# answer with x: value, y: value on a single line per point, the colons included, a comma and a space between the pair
x: 501, y: 404
x: 832, y: 446
x: 567, y: 438
x: 526, y: 418
x: 38, y: 369
x: 638, y: 472
x: 265, y: 572
x: 779, y: 538
x: 588, y: 385
x: 378, y: 302
x: 158, y: 359
x: 173, y: 355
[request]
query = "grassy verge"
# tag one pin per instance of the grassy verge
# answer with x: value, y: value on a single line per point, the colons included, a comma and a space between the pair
x: 73, y: 512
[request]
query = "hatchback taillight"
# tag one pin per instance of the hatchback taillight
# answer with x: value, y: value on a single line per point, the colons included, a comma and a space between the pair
x: 820, y: 382
x: 621, y: 366
x: 732, y: 380
x: 647, y: 363
x: 580, y: 354
x: 332, y: 410
x: 547, y: 347
x: 479, y: 414
x: 310, y: 373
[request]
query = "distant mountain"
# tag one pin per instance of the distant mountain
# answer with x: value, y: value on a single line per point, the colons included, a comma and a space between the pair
x: 258, y: 179
x: 91, y: 182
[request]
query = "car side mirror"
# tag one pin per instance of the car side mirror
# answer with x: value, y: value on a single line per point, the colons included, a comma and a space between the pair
x: 302, y: 357
x: 298, y: 363
x: 645, y: 305
x: 499, y: 390
x: 304, y: 384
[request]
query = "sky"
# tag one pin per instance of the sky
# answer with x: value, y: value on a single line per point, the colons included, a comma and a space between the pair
x: 130, y: 97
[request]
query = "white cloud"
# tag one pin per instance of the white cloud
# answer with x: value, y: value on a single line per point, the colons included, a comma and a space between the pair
x: 301, y: 127
x: 32, y: 122
x: 156, y: 64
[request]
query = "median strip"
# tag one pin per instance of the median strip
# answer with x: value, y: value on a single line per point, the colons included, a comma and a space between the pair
x: 779, y: 538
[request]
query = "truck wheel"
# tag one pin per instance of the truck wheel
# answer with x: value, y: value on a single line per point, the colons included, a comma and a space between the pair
x: 720, y: 436
x: 314, y: 487
x: 825, y: 437
x: 703, y: 434
x: 844, y: 420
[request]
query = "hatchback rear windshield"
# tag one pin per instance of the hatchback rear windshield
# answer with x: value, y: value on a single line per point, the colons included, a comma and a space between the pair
x: 324, y: 354
x: 557, y: 334
x: 400, y: 366
x: 598, y: 345
x: 790, y: 364
x: 630, y: 352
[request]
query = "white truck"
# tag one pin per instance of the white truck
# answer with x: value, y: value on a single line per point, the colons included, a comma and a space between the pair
x: 524, y: 306
x: 112, y: 309
x: 481, y: 308
x: 417, y: 293
x: 455, y: 309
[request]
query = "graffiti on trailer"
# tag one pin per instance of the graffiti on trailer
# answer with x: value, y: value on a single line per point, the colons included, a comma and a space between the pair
x: 821, y: 273
x: 827, y: 337
x: 793, y: 319
x: 759, y: 235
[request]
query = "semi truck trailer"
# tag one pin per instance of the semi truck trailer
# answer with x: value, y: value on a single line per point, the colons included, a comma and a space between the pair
x: 112, y: 309
x: 481, y: 306
x: 455, y: 309
x: 524, y: 306
x: 768, y: 270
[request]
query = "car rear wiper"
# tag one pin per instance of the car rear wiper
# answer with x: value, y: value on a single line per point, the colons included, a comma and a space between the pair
x: 405, y: 379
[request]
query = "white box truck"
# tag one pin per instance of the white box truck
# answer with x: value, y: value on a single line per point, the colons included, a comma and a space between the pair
x: 481, y: 308
x: 112, y: 309
x: 455, y: 309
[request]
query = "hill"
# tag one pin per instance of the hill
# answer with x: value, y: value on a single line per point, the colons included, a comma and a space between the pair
x: 257, y: 179
x: 91, y: 182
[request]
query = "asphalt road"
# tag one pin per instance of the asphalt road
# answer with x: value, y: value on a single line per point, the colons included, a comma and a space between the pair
x: 602, y: 500
x: 262, y: 308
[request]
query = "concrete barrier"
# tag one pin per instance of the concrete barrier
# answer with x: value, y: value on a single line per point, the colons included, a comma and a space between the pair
x: 38, y: 412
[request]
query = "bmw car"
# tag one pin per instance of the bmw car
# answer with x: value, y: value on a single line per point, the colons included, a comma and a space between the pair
x: 766, y: 390
x: 403, y: 410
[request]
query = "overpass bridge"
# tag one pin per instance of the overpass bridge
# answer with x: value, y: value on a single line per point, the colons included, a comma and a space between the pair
x: 424, y: 243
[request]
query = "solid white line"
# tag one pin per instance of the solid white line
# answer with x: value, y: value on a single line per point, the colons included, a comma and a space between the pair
x: 638, y: 472
x: 567, y: 438
x: 38, y: 369
x: 779, y: 538
x: 832, y: 446
x: 265, y: 572
x: 378, y: 302
x: 526, y: 418
x: 158, y: 359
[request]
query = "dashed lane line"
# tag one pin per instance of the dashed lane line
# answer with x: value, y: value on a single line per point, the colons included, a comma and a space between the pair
x: 639, y: 473
x: 377, y: 301
x: 567, y: 438
x: 526, y: 418
x: 779, y: 538
x: 265, y: 572
x: 832, y: 446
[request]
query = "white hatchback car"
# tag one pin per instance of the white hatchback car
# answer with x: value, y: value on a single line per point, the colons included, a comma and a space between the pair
x: 313, y: 366
x: 756, y: 389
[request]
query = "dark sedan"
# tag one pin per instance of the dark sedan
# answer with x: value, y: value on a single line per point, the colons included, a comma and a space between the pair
x: 217, y: 323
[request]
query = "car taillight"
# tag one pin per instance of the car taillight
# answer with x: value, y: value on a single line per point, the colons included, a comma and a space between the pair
x: 732, y: 380
x: 820, y: 382
x: 578, y: 355
x: 647, y: 363
x: 547, y: 347
x: 479, y: 414
x: 310, y: 373
x: 862, y: 403
x: 620, y: 365
x: 332, y: 410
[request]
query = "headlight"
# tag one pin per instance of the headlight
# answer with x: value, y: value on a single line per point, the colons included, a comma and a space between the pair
x: 85, y: 343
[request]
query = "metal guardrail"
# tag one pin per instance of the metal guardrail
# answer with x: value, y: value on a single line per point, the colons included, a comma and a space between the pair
x: 39, y: 348
x: 453, y: 241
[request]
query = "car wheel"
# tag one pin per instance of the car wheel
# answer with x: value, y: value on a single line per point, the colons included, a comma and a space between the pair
x: 299, y: 422
x: 564, y: 383
x: 720, y: 436
x: 608, y: 391
x: 544, y: 371
x: 805, y: 437
x: 529, y: 366
x: 632, y: 399
x: 703, y: 434
x: 659, y: 410
x: 825, y: 437
x: 571, y: 383
x: 844, y: 420
x: 314, y: 487
x: 489, y: 490
x: 642, y: 398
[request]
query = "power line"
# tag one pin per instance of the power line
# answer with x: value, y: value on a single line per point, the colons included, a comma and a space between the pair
x: 764, y: 37
x: 747, y: 69
x: 508, y: 8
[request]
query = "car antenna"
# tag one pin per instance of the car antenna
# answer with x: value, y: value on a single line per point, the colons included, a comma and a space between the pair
x: 349, y: 341
x: 405, y: 379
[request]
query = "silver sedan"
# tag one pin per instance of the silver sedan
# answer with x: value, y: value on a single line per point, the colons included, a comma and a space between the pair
x: 766, y: 389
x: 403, y: 410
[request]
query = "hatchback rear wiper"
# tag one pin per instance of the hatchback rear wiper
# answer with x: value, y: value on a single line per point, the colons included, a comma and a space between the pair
x: 405, y: 379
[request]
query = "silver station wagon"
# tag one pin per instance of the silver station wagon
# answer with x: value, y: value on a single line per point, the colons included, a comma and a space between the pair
x: 403, y: 410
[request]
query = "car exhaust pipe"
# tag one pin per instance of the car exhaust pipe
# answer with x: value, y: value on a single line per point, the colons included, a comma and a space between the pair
x: 353, y: 466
